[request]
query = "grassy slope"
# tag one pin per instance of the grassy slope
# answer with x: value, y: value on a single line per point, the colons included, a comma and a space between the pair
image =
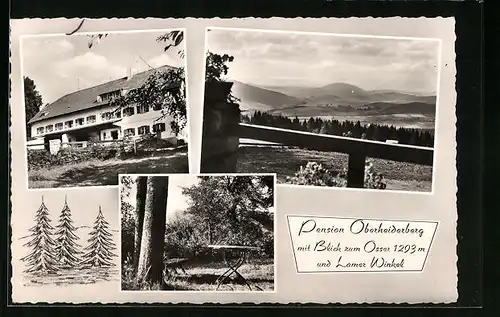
x: 285, y: 162
x: 97, y: 173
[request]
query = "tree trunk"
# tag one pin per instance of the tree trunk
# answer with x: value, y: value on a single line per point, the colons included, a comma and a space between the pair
x: 139, y: 216
x: 150, y: 267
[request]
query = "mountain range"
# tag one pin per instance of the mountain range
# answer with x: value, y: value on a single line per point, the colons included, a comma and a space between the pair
x: 332, y: 100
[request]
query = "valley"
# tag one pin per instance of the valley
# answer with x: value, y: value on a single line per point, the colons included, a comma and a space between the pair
x: 340, y: 101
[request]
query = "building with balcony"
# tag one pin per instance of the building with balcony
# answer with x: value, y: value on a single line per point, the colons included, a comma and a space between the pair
x: 87, y: 115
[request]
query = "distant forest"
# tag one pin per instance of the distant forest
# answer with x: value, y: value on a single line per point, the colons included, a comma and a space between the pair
x: 352, y: 129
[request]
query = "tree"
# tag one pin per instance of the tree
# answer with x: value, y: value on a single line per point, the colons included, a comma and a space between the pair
x: 127, y: 219
x: 216, y: 66
x: 43, y: 257
x: 101, y: 245
x: 127, y: 232
x: 164, y: 90
x: 175, y: 38
x: 126, y: 186
x: 232, y: 209
x: 150, y: 268
x: 32, y: 101
x: 140, y: 201
x: 67, y: 250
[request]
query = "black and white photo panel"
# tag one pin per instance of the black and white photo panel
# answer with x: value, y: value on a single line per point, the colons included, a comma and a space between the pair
x: 323, y: 109
x: 212, y: 233
x: 100, y: 104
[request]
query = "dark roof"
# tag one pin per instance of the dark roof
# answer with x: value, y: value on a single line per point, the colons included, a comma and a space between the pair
x: 87, y: 98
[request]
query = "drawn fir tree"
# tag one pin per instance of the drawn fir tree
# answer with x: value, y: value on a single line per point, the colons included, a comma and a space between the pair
x: 43, y: 258
x: 100, y: 245
x: 68, y: 251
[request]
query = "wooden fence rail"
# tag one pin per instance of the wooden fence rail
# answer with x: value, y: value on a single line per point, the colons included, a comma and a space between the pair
x: 357, y: 149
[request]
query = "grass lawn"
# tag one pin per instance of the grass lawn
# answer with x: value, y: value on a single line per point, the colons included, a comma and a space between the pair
x: 202, y: 277
x: 99, y: 173
x: 287, y: 161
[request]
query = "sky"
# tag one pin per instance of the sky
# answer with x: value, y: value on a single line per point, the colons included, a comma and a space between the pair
x: 294, y: 59
x: 63, y: 64
x: 176, y: 200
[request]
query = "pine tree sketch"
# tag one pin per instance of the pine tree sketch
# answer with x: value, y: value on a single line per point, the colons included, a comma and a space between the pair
x: 43, y: 258
x: 100, y: 245
x: 68, y: 250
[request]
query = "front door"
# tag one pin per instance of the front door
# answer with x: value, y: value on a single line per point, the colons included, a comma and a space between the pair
x: 114, y: 135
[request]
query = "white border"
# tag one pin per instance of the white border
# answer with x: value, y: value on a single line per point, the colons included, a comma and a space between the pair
x: 275, y: 228
x: 362, y: 218
x: 21, y: 63
x: 439, y: 66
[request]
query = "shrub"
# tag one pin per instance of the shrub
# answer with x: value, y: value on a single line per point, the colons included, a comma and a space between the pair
x: 183, y: 239
x: 373, y: 179
x: 151, y: 142
x: 70, y: 155
x: 38, y: 158
x: 315, y: 174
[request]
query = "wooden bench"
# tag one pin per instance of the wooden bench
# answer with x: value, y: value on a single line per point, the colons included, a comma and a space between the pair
x: 171, y: 265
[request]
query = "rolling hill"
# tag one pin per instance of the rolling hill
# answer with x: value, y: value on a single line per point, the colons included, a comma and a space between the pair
x: 332, y: 99
x: 256, y: 98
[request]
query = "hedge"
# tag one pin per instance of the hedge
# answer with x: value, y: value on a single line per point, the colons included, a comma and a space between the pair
x: 69, y: 155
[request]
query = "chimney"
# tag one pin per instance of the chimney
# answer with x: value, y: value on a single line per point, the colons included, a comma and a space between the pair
x: 129, y: 73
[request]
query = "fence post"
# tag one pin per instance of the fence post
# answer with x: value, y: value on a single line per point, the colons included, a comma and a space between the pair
x: 356, y: 170
x: 220, y: 143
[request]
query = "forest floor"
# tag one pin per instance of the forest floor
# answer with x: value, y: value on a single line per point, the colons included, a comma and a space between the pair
x: 105, y: 172
x: 287, y: 161
x: 202, y: 277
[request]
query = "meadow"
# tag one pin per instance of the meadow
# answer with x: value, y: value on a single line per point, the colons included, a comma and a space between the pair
x: 99, y: 172
x: 286, y: 161
x: 259, y: 273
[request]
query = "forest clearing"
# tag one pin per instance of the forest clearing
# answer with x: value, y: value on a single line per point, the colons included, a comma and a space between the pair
x: 201, y: 233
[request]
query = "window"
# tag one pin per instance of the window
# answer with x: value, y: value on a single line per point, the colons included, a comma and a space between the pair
x: 40, y: 130
x: 91, y: 119
x: 59, y: 126
x: 143, y: 130
x: 106, y: 116
x: 117, y: 114
x: 68, y: 124
x: 142, y: 109
x: 129, y: 111
x: 110, y: 95
x: 79, y: 121
x: 156, y: 107
x: 129, y: 132
x: 159, y: 127
x: 49, y: 128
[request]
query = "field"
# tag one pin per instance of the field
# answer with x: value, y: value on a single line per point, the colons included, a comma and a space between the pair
x: 105, y: 172
x: 202, y: 277
x: 286, y: 161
